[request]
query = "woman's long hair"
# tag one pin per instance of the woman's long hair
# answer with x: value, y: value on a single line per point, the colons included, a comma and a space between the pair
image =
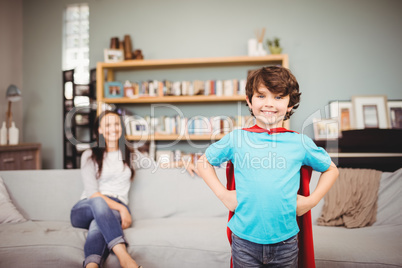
x: 98, y: 152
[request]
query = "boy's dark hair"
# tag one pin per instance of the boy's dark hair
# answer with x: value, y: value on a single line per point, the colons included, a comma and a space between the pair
x: 276, y: 79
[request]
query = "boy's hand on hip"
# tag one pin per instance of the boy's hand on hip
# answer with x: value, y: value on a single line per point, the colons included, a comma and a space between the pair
x: 229, y: 199
x: 304, y: 204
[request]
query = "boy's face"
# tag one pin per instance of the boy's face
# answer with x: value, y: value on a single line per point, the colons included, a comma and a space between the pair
x: 269, y: 108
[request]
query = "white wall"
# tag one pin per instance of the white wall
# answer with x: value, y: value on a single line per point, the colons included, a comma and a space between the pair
x: 336, y: 48
x: 11, y: 58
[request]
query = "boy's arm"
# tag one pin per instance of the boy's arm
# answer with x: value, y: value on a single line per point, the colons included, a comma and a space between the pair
x: 190, y: 167
x: 327, y: 179
x: 208, y: 174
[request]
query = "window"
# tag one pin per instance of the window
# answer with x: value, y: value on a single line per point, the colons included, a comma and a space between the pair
x: 76, y: 42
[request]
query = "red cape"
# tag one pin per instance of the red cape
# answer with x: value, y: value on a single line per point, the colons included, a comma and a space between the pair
x: 306, y: 247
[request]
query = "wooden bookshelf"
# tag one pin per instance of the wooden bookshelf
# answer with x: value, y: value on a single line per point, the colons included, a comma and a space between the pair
x: 176, y: 99
x: 281, y: 59
x: 133, y: 65
x: 173, y: 137
x: 106, y: 72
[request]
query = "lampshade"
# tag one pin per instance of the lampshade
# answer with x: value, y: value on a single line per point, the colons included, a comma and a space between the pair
x: 13, y: 93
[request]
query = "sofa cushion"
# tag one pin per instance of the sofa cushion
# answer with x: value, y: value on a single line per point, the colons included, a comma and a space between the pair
x: 8, y: 212
x: 179, y: 242
x: 41, y: 244
x: 374, y: 246
x: 389, y: 209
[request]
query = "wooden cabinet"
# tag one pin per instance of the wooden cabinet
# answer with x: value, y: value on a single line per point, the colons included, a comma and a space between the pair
x: 21, y: 156
x: 106, y: 72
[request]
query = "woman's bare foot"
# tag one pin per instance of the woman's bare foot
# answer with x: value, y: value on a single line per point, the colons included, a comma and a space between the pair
x: 124, y: 258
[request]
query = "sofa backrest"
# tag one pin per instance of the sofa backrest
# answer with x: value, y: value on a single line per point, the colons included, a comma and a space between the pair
x: 50, y: 194
x: 44, y: 194
x: 173, y: 193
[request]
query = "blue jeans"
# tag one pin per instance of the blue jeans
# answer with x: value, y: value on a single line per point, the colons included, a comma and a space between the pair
x: 249, y: 254
x: 103, y: 224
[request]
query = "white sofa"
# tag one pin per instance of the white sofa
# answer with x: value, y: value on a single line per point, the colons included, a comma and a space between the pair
x: 178, y: 222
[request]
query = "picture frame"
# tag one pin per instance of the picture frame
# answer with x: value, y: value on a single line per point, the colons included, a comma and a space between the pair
x: 395, y: 113
x: 344, y: 113
x: 326, y: 129
x: 370, y: 111
x: 139, y: 126
x: 113, y: 55
x: 113, y: 90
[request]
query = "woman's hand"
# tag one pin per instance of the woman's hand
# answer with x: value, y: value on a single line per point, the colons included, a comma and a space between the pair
x: 125, y: 217
x: 304, y: 204
x: 229, y: 199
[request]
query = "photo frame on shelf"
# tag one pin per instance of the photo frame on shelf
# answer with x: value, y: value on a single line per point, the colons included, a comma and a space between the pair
x: 326, y: 129
x: 395, y: 113
x: 370, y: 111
x: 343, y: 112
x: 113, y: 55
x: 114, y: 90
x: 139, y: 127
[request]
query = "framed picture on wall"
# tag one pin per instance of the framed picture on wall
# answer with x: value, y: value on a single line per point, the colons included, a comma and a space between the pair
x: 370, y: 111
x: 342, y: 111
x: 326, y: 129
x: 395, y: 113
x: 114, y: 90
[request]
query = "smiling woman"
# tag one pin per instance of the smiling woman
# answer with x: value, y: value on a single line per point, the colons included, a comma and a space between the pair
x: 103, y: 209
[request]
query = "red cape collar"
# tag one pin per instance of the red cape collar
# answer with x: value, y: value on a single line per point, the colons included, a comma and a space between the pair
x: 258, y: 129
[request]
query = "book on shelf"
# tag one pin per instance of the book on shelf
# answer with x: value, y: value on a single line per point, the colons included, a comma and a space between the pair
x: 177, y: 125
x: 156, y: 88
x: 166, y: 157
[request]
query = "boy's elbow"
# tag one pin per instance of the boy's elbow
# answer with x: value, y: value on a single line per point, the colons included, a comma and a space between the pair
x: 334, y: 170
x: 202, y: 163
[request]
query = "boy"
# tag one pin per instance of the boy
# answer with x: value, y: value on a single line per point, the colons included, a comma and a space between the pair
x: 267, y: 160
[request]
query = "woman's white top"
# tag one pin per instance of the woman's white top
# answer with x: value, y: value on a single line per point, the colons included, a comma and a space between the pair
x: 115, y: 179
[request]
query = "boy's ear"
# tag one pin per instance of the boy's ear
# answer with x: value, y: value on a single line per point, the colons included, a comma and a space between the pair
x: 248, y: 101
x: 290, y: 109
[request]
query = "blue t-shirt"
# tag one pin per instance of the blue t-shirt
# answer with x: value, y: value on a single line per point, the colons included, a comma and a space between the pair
x: 267, y: 175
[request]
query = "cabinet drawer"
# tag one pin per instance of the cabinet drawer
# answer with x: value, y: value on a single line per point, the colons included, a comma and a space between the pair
x: 9, y: 160
x: 18, y: 157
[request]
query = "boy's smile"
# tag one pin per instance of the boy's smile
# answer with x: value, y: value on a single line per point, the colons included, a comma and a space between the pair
x: 269, y: 108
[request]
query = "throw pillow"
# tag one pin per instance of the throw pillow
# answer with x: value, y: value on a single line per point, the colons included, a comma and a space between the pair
x: 8, y: 212
x: 390, y: 199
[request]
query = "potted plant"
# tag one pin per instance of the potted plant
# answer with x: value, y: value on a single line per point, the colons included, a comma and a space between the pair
x: 274, y: 46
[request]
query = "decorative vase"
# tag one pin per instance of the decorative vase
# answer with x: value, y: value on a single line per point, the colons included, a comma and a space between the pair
x: 252, y: 47
x: 13, y: 134
x: 3, y: 134
x: 260, y: 49
x: 128, y: 48
x: 275, y: 50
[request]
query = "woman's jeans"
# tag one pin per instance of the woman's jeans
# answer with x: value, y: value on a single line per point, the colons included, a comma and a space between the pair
x: 249, y: 254
x: 103, y: 224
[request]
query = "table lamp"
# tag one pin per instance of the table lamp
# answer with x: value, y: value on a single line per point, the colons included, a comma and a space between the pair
x: 13, y: 94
